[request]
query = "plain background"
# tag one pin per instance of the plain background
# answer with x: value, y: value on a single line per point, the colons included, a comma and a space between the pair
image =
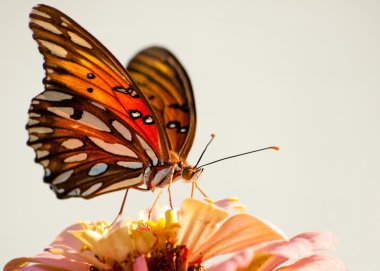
x: 303, y: 75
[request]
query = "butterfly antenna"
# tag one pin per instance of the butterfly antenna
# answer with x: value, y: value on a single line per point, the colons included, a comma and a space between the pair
x: 241, y: 154
x: 212, y: 138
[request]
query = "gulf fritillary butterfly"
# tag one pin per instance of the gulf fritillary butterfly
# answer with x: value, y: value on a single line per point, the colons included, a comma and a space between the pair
x: 98, y: 127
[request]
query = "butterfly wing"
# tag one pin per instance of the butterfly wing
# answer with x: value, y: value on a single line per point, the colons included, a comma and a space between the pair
x: 164, y: 81
x: 92, y: 129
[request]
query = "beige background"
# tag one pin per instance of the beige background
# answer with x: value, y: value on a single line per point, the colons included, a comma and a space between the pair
x: 303, y: 75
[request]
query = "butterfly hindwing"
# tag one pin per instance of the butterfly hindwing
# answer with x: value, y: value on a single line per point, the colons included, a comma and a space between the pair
x: 164, y: 81
x: 92, y: 129
x: 82, y: 144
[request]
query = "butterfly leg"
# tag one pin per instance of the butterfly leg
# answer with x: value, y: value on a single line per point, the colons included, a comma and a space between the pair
x: 170, y: 187
x: 154, y: 204
x: 121, y: 208
x: 199, y: 189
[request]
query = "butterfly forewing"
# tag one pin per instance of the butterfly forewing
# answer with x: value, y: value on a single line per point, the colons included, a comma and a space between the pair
x: 163, y: 80
x: 92, y: 128
x: 76, y: 61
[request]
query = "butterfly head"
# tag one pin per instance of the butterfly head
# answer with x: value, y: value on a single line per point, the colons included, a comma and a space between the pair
x: 191, y: 173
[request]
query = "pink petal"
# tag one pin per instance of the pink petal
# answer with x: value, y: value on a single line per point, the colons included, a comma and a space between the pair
x: 157, y: 213
x: 48, y: 261
x: 237, y: 261
x: 230, y: 203
x: 316, y: 263
x: 237, y: 233
x: 294, y: 249
x: 320, y: 240
x: 66, y: 239
x: 300, y: 246
x: 140, y: 264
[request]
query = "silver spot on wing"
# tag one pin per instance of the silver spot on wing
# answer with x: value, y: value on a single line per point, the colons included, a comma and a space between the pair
x: 63, y: 177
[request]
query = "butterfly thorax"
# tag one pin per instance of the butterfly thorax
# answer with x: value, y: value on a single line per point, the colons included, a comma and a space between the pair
x: 176, y: 169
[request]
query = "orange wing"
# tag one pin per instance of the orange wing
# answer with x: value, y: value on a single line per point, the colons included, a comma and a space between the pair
x: 92, y: 129
x: 164, y: 81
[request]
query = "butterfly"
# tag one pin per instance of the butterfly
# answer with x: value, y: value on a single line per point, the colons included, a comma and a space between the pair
x: 99, y: 127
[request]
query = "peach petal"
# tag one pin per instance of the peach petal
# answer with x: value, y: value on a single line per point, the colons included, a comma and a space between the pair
x: 316, y: 263
x: 119, y: 240
x: 89, y: 238
x: 198, y: 222
x: 237, y: 233
x: 143, y: 241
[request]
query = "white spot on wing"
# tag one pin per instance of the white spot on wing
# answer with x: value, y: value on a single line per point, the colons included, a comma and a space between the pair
x: 41, y: 154
x: 47, y: 26
x: 94, y: 122
x: 72, y: 143
x: 34, y: 115
x: 98, y: 105
x: 35, y: 102
x: 65, y: 20
x: 40, y: 130
x: 37, y: 146
x: 76, y: 158
x: 54, y: 96
x: 92, y: 189
x: 148, y: 150
x: 132, y: 165
x: 40, y: 13
x: 63, y: 177
x: 74, y: 193
x: 54, y: 48
x: 98, y: 169
x: 64, y: 24
x: 122, y: 184
x: 47, y: 172
x: 64, y: 112
x: 33, y: 121
x: 45, y: 163
x: 59, y: 190
x: 113, y: 148
x: 79, y: 40
x: 122, y: 130
x: 87, y: 118
x: 32, y: 138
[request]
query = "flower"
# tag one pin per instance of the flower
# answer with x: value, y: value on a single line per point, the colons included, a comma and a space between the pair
x: 299, y: 249
x: 181, y: 240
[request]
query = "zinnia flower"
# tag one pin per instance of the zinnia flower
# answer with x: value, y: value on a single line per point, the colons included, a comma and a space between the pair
x: 170, y: 240
x: 299, y: 249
